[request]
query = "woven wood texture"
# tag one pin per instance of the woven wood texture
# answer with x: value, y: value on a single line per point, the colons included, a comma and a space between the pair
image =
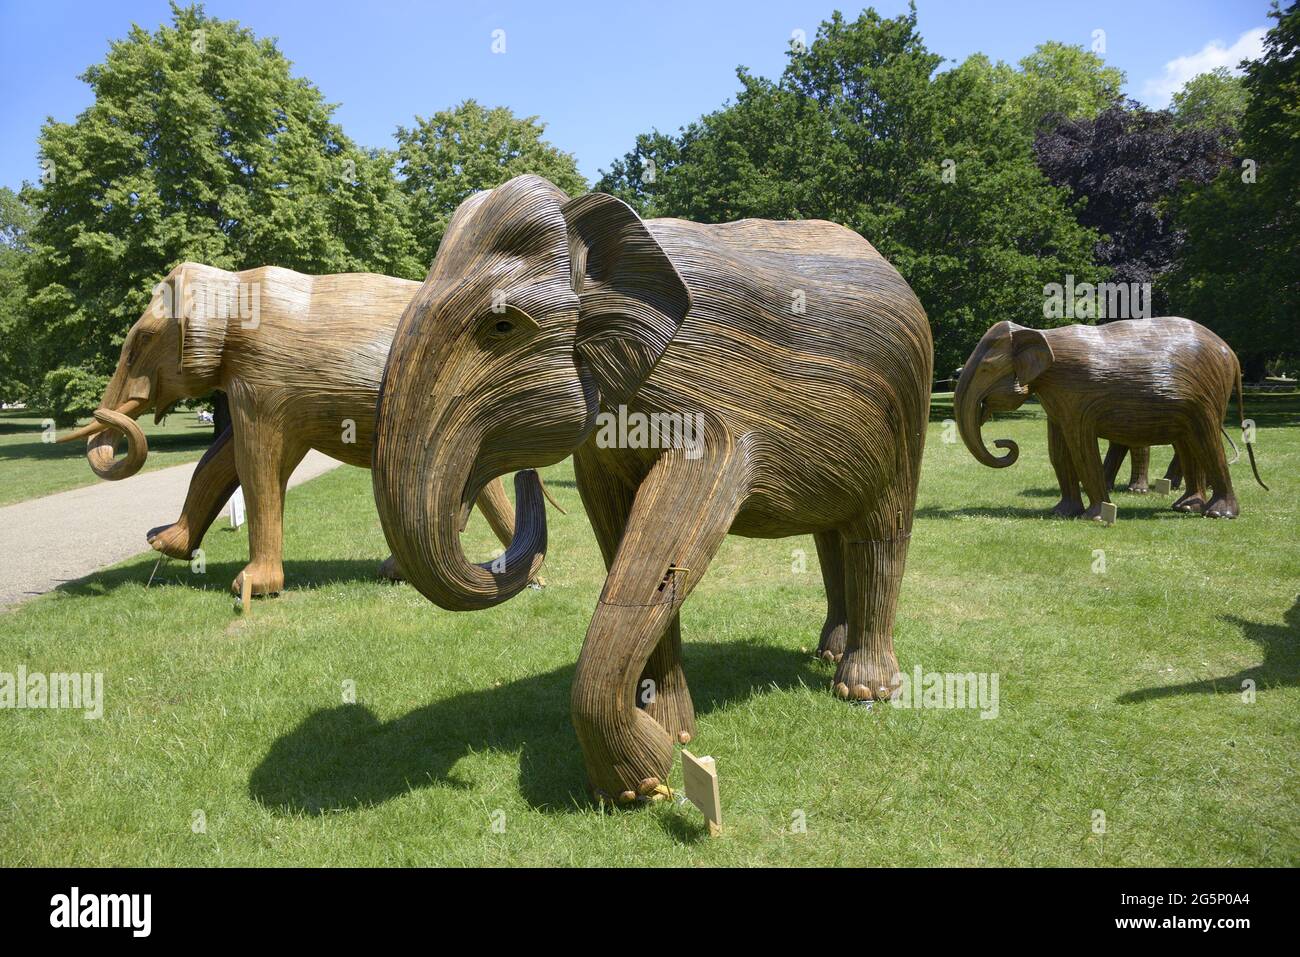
x: 803, y: 357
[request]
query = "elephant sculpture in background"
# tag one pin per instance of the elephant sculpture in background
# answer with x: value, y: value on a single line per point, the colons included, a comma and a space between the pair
x: 300, y: 358
x: 801, y: 360
x: 1139, y: 467
x: 1138, y: 383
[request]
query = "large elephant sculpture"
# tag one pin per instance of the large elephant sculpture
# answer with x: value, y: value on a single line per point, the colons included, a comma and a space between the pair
x: 300, y: 358
x: 797, y: 362
x: 1138, y: 383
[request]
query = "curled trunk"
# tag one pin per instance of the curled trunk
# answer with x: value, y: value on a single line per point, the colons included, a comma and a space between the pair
x: 102, y: 437
x: 968, y: 404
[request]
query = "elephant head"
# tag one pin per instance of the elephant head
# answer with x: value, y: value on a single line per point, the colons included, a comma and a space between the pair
x: 538, y: 312
x: 997, y: 378
x: 172, y: 352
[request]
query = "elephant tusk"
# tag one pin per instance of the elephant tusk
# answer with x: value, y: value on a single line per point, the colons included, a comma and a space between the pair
x: 131, y: 407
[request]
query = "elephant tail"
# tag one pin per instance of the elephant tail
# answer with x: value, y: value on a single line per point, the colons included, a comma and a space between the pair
x: 1236, y: 452
x: 1250, y: 446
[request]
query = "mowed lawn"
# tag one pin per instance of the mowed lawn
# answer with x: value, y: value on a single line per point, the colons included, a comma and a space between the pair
x: 31, y: 466
x: 227, y: 740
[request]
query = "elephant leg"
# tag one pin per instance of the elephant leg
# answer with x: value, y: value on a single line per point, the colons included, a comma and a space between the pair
x: 1115, y: 454
x: 662, y: 691
x: 211, y: 486
x: 1175, y: 472
x: 1194, y: 496
x: 830, y: 554
x: 681, y: 513
x: 1071, y: 503
x: 1081, y: 440
x: 1141, y: 465
x: 874, y: 556
x: 1214, y: 465
x: 264, y: 464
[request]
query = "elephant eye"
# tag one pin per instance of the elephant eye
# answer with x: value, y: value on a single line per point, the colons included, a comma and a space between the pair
x: 505, y: 325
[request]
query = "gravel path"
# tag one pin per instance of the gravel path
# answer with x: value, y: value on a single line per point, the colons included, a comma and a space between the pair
x: 59, y: 538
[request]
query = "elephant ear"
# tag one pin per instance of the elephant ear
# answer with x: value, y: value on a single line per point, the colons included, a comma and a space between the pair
x: 1031, y: 354
x: 202, y: 329
x: 631, y: 299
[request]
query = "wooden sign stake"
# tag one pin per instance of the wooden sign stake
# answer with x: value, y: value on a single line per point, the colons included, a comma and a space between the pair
x: 246, y: 594
x: 1109, y: 512
x: 700, y: 777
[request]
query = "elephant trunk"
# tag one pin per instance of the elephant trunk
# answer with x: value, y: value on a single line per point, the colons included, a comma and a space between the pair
x: 968, y: 402
x: 109, y: 426
x: 422, y: 523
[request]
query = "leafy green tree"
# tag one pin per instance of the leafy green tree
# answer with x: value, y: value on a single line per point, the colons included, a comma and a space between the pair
x: 935, y: 171
x: 200, y: 145
x: 16, y: 221
x: 456, y: 152
x: 1062, y: 80
x: 1215, y: 100
x: 1239, y: 268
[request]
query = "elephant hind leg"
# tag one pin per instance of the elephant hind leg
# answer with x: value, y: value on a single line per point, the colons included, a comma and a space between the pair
x: 874, y: 555
x: 1208, y: 450
x: 830, y: 554
x: 1110, y: 466
x: 1194, y: 495
x: 1141, y: 465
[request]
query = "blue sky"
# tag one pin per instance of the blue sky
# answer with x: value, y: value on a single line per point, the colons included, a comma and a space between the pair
x: 597, y: 73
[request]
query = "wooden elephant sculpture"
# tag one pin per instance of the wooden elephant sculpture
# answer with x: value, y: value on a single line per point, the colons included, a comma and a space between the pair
x: 300, y: 358
x: 760, y: 378
x: 1138, y: 383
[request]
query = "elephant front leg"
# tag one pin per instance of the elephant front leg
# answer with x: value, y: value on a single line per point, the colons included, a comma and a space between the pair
x: 264, y: 464
x: 1082, y: 443
x: 1071, y: 503
x: 213, y: 482
x: 680, y: 515
x: 662, y: 691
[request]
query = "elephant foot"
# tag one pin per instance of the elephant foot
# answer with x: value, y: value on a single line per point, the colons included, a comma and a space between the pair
x: 1190, y: 502
x: 1221, y: 506
x: 389, y: 570
x: 267, y: 578
x: 1068, y: 508
x: 647, y: 792
x: 626, y: 759
x: 862, y: 677
x: 172, y: 540
x: 1137, y: 488
x: 834, y: 636
x: 1093, y: 513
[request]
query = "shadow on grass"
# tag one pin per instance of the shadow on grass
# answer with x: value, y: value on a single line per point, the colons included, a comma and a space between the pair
x: 344, y: 758
x: 1280, y: 667
x: 1126, y: 512
x: 298, y: 575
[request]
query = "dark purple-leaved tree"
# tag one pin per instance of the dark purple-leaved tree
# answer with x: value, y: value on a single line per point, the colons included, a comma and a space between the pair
x: 1126, y: 165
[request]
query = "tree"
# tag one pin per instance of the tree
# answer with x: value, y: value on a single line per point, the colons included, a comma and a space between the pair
x: 1059, y: 80
x: 200, y: 145
x: 935, y: 171
x: 1215, y: 100
x: 1125, y: 166
x: 16, y: 220
x: 1239, y: 269
x: 456, y: 152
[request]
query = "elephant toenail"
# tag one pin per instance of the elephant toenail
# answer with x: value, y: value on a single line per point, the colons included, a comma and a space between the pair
x: 684, y: 737
x: 842, y: 690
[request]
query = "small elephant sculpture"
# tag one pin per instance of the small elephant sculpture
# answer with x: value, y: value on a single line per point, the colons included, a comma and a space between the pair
x: 300, y: 358
x: 1138, y: 383
x: 790, y: 359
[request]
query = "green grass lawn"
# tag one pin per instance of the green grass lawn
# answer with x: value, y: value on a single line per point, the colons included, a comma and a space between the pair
x: 31, y: 467
x: 1120, y: 692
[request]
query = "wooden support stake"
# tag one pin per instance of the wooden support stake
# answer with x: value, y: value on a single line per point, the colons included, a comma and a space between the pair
x: 700, y: 777
x: 1109, y: 512
x: 246, y: 594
